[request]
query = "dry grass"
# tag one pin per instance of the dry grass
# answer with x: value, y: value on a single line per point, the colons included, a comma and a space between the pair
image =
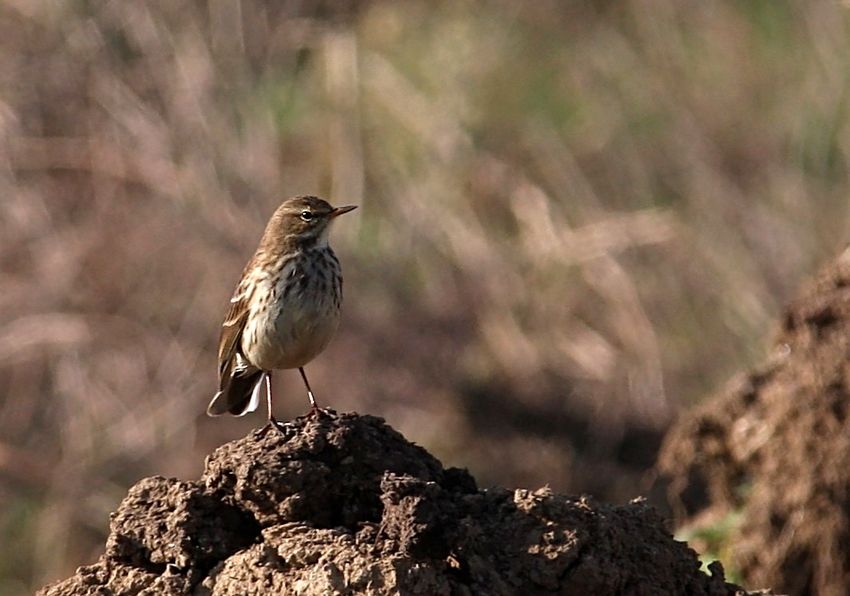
x: 575, y: 222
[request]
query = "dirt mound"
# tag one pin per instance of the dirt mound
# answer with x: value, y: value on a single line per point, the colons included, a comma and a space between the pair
x: 773, y: 449
x: 343, y: 504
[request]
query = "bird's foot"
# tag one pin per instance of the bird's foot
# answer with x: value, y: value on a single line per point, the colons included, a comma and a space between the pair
x: 316, y: 411
x: 277, y: 425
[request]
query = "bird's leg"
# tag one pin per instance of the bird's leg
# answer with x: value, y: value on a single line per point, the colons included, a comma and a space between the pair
x: 314, y: 407
x: 267, y: 379
x: 267, y: 382
x: 313, y: 404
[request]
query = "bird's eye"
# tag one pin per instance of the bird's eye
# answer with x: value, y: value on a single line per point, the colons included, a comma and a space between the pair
x: 306, y: 215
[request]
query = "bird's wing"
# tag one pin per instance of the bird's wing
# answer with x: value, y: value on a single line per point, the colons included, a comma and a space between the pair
x: 231, y: 332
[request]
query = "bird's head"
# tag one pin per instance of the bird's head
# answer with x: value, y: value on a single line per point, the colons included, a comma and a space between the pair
x: 305, y: 220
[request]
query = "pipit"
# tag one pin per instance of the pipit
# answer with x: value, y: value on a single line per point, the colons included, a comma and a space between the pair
x: 285, y: 308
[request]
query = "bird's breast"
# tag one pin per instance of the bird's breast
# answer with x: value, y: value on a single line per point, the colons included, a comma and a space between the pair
x: 295, y: 313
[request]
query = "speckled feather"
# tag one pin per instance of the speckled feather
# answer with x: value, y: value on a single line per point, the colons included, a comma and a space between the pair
x: 284, y: 310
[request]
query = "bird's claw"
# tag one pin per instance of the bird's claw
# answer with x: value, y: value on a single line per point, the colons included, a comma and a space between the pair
x: 275, y: 424
x: 318, y: 412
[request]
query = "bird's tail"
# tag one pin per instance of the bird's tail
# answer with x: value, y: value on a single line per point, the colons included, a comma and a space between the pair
x: 239, y: 395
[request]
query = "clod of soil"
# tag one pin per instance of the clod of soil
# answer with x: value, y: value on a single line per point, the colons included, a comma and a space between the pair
x: 343, y: 504
x: 773, y: 451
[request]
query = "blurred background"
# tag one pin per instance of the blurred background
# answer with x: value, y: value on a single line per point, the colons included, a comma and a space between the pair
x: 577, y: 219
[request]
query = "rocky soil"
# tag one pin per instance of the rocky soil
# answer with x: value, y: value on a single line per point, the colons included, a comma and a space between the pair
x: 343, y: 504
x: 772, y: 450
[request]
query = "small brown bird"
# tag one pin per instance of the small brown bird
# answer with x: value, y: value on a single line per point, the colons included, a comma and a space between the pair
x: 285, y: 308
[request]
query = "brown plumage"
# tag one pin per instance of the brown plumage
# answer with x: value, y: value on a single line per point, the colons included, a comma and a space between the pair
x: 285, y: 308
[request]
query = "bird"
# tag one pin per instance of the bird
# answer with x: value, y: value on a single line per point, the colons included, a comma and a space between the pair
x: 285, y: 308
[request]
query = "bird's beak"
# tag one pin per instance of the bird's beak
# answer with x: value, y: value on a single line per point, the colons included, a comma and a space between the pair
x: 340, y: 210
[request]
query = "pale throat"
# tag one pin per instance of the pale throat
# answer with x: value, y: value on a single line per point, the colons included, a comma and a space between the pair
x: 311, y: 240
x: 322, y: 240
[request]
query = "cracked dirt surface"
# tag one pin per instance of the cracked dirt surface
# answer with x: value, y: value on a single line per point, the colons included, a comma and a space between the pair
x: 343, y: 504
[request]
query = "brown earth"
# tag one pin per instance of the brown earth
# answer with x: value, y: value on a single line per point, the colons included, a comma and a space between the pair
x: 343, y: 504
x: 773, y: 449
